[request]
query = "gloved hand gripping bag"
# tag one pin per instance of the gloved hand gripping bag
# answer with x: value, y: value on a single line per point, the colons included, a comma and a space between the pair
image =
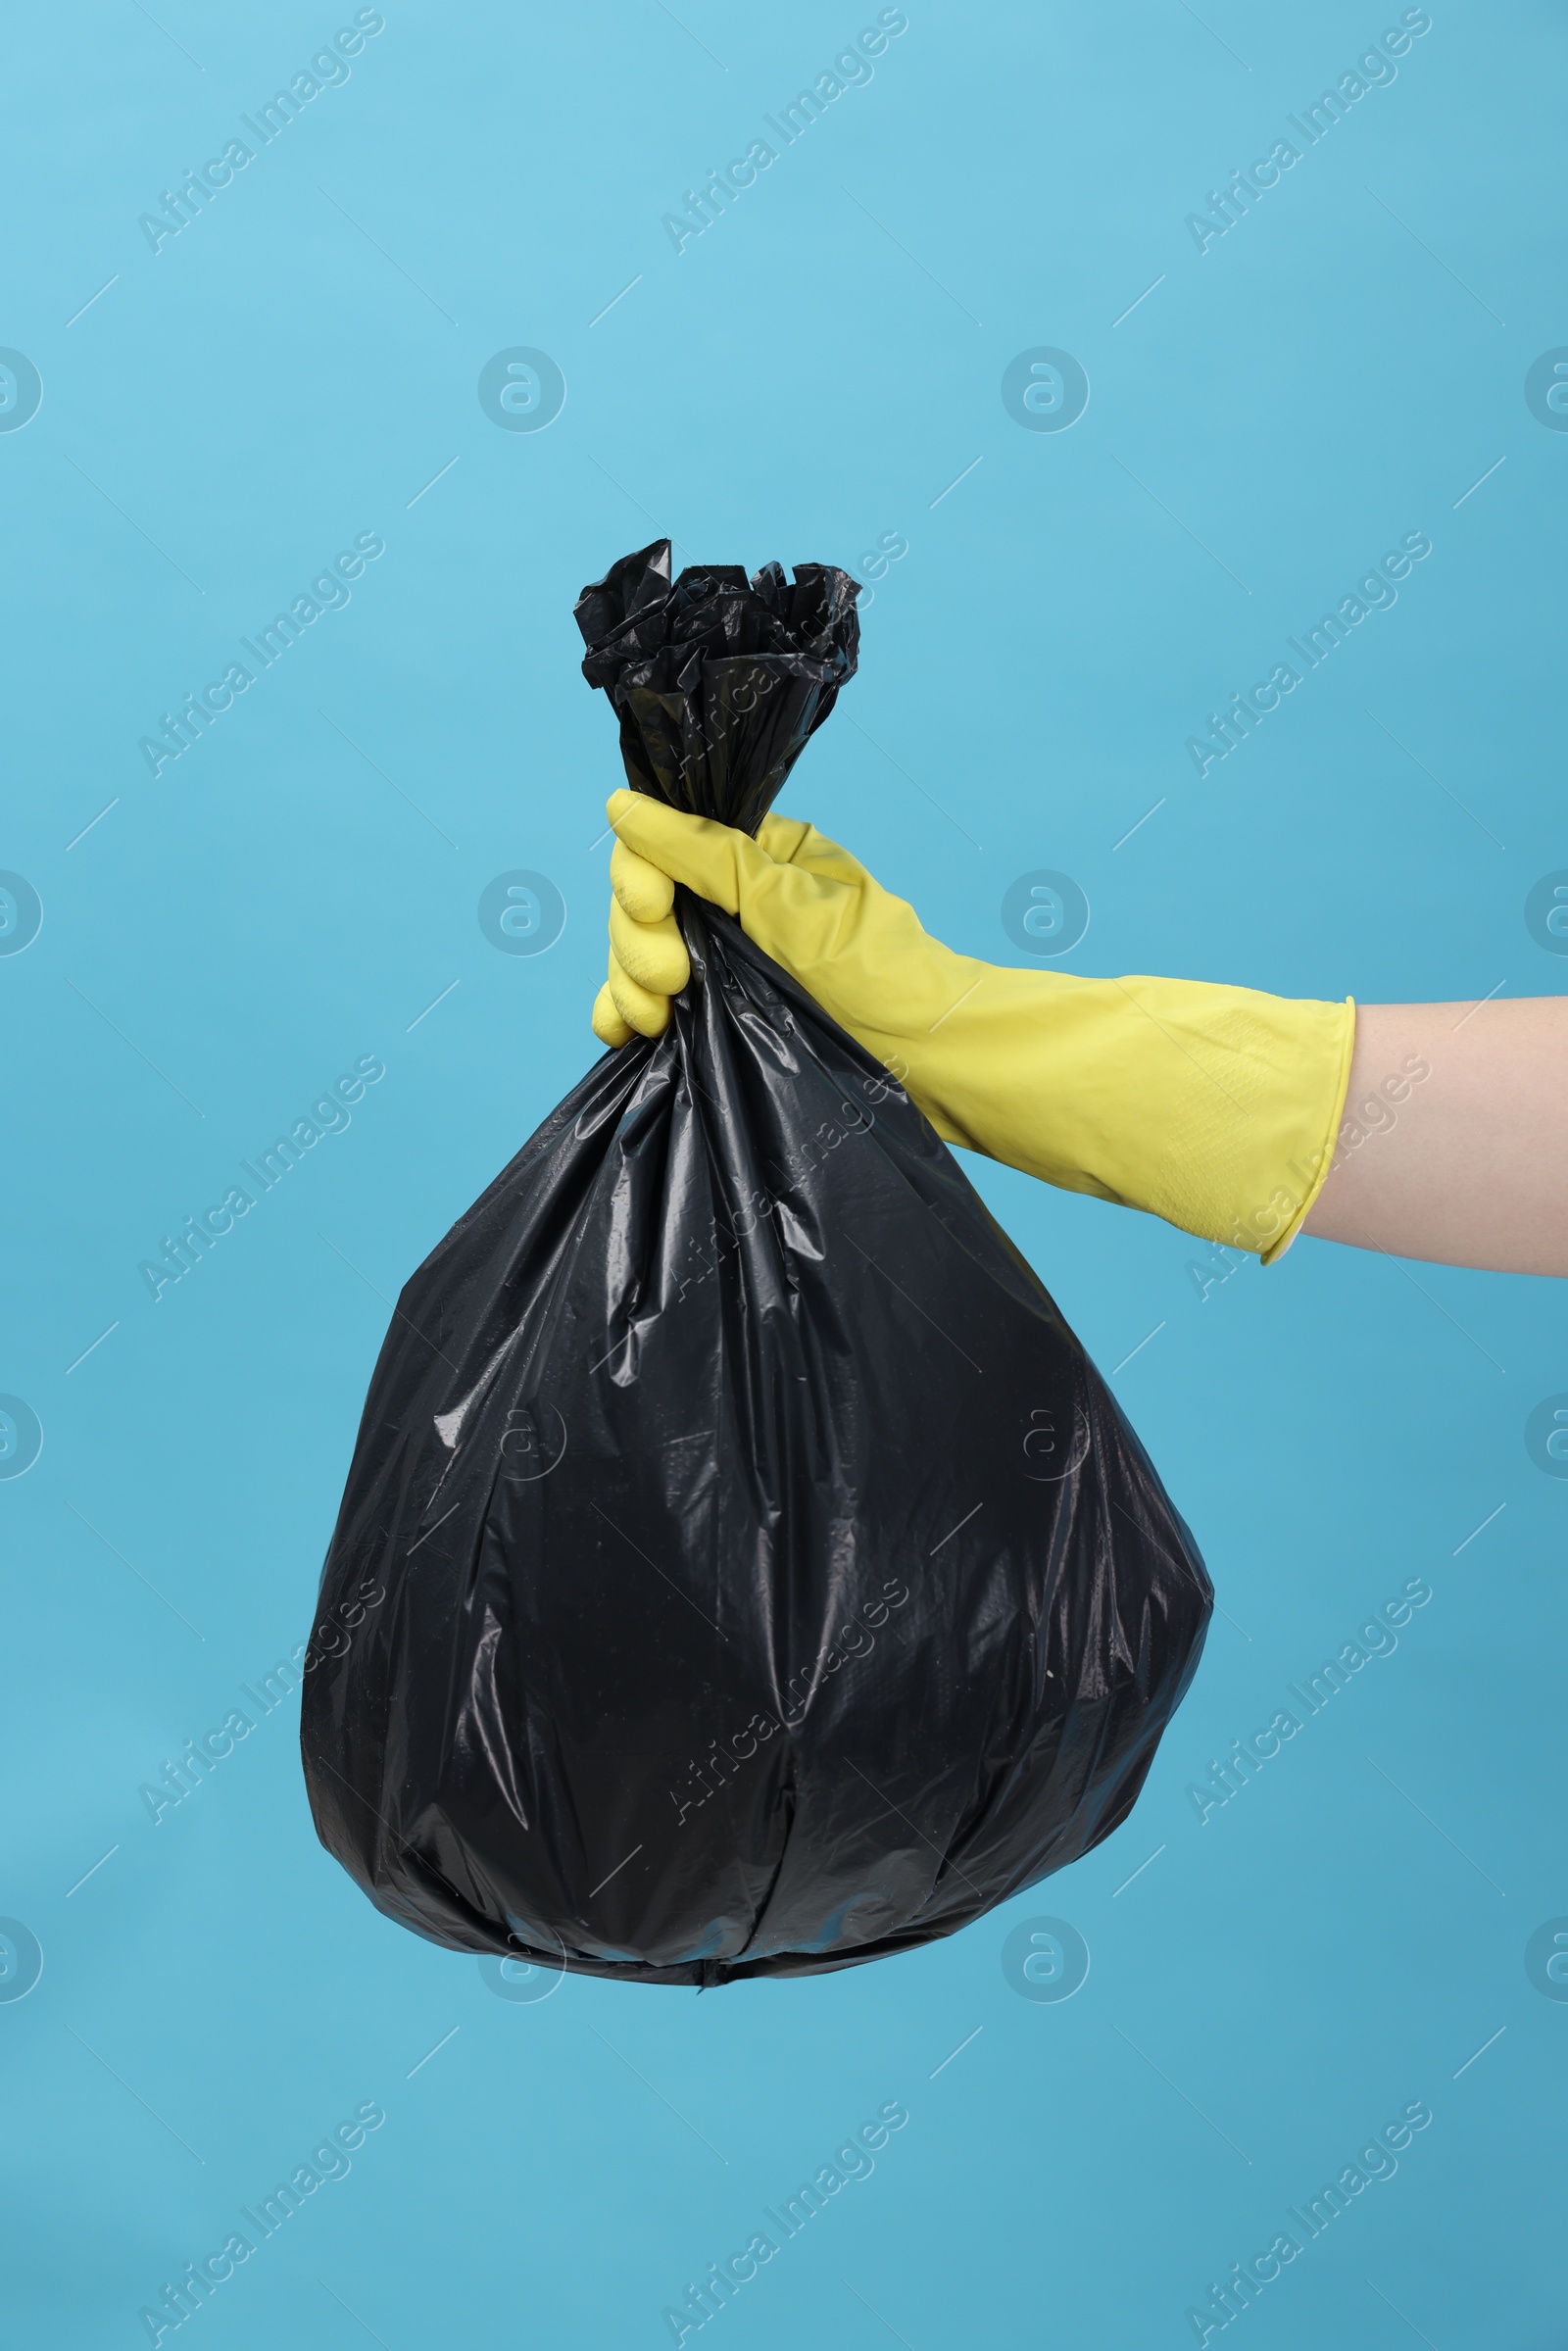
x: 743, y: 1571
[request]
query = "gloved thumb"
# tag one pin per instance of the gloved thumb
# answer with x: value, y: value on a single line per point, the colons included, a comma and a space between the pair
x: 713, y: 860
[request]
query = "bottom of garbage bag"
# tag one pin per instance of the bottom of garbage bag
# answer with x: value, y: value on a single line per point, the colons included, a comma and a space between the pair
x: 422, y: 1900
x: 742, y: 1570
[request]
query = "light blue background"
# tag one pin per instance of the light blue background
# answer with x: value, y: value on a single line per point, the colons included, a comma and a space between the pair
x: 807, y: 375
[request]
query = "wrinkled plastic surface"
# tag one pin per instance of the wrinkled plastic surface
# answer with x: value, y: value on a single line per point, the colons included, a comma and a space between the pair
x: 717, y: 682
x: 743, y: 1571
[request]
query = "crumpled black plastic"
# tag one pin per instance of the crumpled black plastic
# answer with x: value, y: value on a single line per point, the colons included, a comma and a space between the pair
x: 743, y: 1569
x: 717, y: 682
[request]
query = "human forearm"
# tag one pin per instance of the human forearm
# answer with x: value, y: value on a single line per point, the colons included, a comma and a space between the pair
x: 1454, y: 1141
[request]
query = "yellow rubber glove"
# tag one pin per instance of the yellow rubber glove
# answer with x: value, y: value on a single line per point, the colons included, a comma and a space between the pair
x: 647, y: 959
x: 1214, y: 1108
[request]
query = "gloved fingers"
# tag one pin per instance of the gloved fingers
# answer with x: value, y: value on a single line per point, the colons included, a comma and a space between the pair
x: 710, y: 858
x: 653, y: 954
x: 646, y: 894
x: 608, y: 1025
x: 789, y: 842
x: 782, y: 836
x: 639, y: 1008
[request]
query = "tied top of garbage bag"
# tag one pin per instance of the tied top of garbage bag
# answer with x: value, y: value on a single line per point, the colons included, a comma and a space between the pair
x: 717, y: 681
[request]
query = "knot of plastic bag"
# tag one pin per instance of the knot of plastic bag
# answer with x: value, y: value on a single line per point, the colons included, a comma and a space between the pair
x: 718, y: 681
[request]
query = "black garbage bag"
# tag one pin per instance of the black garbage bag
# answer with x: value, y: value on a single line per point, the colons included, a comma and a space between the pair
x: 743, y: 1571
